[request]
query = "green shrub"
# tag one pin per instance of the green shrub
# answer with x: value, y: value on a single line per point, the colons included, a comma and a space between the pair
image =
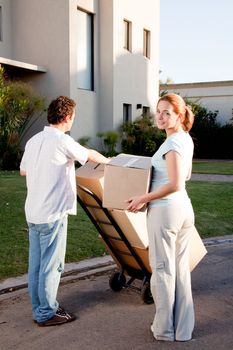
x: 211, y: 139
x: 18, y: 103
x: 84, y: 141
x: 141, y: 137
x: 110, y: 139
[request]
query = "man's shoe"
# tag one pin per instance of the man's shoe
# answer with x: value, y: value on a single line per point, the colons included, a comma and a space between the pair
x: 60, y: 317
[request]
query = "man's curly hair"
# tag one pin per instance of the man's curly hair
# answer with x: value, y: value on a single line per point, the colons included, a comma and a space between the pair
x: 59, y: 109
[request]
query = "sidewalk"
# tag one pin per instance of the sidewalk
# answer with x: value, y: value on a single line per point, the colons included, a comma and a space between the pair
x: 72, y: 271
x: 212, y: 177
x: 108, y: 320
x: 88, y: 267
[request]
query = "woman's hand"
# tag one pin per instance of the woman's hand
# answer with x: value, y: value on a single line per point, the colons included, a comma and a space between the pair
x: 135, y: 203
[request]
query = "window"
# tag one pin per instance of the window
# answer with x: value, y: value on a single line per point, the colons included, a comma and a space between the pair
x: 146, y: 43
x: 145, y: 111
x: 0, y: 23
x: 127, y: 35
x: 85, y: 54
x: 127, y: 113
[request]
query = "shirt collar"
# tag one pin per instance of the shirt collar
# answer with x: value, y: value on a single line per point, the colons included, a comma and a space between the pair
x: 51, y: 130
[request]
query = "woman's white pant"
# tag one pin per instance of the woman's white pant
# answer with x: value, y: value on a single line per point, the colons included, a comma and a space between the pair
x: 170, y: 228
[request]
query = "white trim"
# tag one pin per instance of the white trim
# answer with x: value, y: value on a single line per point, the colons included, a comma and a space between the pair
x: 23, y: 65
x: 196, y: 85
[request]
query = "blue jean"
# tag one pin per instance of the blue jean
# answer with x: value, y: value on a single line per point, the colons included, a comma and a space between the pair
x: 47, y: 246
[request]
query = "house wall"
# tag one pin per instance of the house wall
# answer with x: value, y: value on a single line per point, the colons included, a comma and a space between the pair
x: 45, y: 33
x: 41, y: 36
x: 135, y: 76
x: 6, y: 42
x: 106, y: 64
x: 87, y: 111
x: 212, y: 95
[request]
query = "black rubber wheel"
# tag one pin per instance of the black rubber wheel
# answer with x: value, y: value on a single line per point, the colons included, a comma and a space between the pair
x: 146, y: 294
x: 117, y: 281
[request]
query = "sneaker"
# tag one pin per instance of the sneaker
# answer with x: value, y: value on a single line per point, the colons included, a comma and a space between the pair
x: 59, y: 309
x: 60, y: 317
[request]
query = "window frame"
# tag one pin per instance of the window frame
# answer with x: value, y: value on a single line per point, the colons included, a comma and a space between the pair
x: 127, y: 35
x: 91, y: 87
x: 127, y: 113
x: 146, y: 43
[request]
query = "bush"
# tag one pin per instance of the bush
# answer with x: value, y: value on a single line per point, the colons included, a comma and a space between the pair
x: 110, y: 139
x: 141, y: 137
x: 211, y: 139
x: 18, y: 103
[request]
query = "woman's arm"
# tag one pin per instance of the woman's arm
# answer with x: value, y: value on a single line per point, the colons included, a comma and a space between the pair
x: 173, y: 160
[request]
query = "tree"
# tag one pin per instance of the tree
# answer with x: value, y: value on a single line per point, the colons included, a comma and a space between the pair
x: 18, y: 103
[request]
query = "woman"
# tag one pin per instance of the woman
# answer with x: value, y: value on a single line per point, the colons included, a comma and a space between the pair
x: 170, y: 222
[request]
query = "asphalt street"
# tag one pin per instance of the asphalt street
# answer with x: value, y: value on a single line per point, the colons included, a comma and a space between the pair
x: 121, y: 321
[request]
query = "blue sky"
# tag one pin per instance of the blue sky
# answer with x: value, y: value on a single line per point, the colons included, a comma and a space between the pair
x: 196, y: 40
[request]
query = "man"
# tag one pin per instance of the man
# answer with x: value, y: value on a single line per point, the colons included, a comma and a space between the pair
x: 48, y: 164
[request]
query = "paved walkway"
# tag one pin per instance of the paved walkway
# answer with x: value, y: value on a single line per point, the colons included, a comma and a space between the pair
x: 108, y: 320
x: 212, y: 177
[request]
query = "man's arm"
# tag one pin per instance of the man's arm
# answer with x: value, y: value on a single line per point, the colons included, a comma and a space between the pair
x: 97, y: 157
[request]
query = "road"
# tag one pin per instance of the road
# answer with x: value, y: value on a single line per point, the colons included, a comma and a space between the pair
x: 121, y: 321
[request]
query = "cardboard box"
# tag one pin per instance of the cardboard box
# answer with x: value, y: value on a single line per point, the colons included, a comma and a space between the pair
x: 197, y: 250
x: 125, y: 176
x: 197, y: 253
x: 91, y: 176
x: 119, y: 247
x: 133, y: 225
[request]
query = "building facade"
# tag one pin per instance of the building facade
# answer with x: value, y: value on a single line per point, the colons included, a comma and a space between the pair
x: 102, y: 53
x: 215, y: 96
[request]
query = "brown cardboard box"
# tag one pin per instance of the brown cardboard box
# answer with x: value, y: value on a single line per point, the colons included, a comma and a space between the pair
x: 91, y: 176
x: 197, y: 252
x: 125, y: 176
x: 126, y: 257
x: 133, y: 225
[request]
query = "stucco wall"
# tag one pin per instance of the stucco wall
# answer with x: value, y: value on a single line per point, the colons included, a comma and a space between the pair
x: 45, y: 33
x: 86, y: 122
x: 41, y: 36
x: 135, y: 76
x: 6, y: 42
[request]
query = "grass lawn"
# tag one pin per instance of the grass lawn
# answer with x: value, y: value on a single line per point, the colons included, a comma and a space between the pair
x: 213, y: 206
x: 83, y: 241
x: 213, y: 167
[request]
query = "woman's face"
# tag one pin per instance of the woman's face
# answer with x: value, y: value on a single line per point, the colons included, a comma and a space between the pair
x: 166, y: 118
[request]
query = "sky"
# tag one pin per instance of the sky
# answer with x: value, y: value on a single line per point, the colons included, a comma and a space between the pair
x: 196, y: 40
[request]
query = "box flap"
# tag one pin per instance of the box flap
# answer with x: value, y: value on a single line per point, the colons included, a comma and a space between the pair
x: 131, y: 161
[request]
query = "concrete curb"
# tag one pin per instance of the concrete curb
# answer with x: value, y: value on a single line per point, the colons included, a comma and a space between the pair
x: 89, y: 267
x: 72, y: 271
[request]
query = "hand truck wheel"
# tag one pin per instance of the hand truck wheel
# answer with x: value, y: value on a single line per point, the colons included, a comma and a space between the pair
x: 117, y: 281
